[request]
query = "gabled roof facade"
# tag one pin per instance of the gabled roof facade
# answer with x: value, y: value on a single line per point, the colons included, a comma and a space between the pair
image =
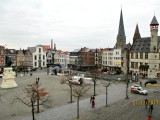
x: 142, y: 45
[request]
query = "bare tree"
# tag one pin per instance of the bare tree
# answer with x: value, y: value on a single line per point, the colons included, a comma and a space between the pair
x: 93, y: 74
x: 106, y: 84
x: 66, y: 79
x: 127, y: 85
x: 78, y: 92
x: 32, y: 96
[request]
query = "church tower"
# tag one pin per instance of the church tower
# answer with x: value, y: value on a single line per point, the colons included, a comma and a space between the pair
x: 121, y: 38
x: 136, y: 34
x: 154, y: 35
x: 51, y: 44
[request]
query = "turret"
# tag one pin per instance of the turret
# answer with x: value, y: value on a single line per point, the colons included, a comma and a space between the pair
x: 154, y: 34
x: 136, y: 34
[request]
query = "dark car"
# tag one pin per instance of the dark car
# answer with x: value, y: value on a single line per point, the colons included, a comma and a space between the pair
x: 151, y: 82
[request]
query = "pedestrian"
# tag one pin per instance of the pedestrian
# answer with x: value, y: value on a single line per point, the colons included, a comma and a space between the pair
x: 149, y: 117
x: 145, y: 84
x: 146, y: 103
x: 93, y: 103
x: 151, y: 108
x: 140, y: 83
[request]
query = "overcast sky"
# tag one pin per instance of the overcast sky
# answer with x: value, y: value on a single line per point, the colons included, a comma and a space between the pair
x: 73, y: 24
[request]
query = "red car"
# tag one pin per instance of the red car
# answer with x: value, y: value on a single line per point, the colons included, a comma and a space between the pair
x: 139, y: 90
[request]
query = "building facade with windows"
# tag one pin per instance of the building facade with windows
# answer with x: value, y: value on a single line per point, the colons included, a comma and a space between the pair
x: 145, y: 53
x: 24, y: 59
x: 111, y: 58
x: 39, y: 56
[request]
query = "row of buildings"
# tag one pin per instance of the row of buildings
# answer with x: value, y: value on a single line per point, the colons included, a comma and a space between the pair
x: 142, y: 57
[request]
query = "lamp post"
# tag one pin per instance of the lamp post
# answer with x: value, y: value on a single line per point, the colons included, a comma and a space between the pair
x: 107, y: 93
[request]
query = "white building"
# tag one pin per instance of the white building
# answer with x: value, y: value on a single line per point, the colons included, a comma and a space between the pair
x: 39, y: 56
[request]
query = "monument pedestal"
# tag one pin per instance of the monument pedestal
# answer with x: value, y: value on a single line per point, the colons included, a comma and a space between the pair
x: 8, y: 78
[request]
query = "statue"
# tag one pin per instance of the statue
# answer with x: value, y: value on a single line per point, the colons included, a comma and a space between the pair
x: 8, y: 61
x: 8, y: 75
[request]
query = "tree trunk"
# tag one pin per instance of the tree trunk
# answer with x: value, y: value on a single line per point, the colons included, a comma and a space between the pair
x: 127, y: 90
x: 71, y: 91
x: 106, y: 95
x: 37, y: 81
x: 94, y: 88
x: 38, y: 103
x: 32, y: 109
x: 77, y: 108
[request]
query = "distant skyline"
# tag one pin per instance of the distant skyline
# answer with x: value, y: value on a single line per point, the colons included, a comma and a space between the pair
x: 73, y: 24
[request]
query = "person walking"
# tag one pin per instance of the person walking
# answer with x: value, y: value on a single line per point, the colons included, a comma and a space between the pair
x: 93, y: 103
x: 149, y: 117
x: 146, y: 103
x: 140, y: 83
x: 151, y: 108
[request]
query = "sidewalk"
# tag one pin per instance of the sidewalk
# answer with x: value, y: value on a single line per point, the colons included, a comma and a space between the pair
x: 119, y: 108
x: 69, y: 111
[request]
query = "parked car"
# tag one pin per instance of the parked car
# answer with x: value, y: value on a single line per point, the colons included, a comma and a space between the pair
x: 135, y: 86
x: 139, y: 90
x: 1, y: 75
x: 151, y: 82
x: 77, y: 80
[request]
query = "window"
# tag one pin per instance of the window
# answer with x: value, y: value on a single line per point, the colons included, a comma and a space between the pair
x: 132, y: 64
x: 43, y: 57
x: 136, y: 55
x: 131, y: 55
x: 39, y: 50
x: 39, y: 57
x: 136, y: 65
x: 35, y: 64
x: 141, y: 55
x: 122, y: 64
x: 146, y: 55
x: 35, y: 57
x: 43, y: 63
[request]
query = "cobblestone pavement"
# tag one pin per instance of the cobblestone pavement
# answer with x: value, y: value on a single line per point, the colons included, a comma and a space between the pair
x: 118, y: 109
x: 125, y: 110
x: 68, y: 112
x: 58, y: 92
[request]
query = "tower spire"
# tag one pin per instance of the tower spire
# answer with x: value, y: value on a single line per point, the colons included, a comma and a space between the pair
x: 121, y: 31
x: 136, y: 34
x: 121, y: 38
x: 51, y: 44
x: 54, y: 46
